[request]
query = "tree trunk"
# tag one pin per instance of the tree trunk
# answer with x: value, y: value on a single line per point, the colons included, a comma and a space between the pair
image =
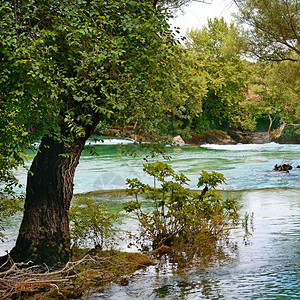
x: 281, y: 128
x: 270, y: 124
x: 44, y: 234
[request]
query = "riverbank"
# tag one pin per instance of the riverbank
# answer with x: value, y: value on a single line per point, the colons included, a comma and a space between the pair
x: 89, y: 271
x: 233, y: 137
x: 219, y: 137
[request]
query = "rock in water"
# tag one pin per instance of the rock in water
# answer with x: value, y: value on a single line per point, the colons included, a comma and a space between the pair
x: 283, y: 168
x: 178, y: 139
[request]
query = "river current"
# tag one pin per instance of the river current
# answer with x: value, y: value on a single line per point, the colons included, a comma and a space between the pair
x: 264, y: 266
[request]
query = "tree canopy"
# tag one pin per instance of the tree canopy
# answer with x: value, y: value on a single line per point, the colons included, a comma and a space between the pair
x: 276, y: 87
x: 273, y: 28
x: 76, y: 63
x: 272, y: 35
x: 175, y: 4
x: 217, y: 52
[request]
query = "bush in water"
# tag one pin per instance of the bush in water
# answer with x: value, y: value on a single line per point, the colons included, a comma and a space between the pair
x: 8, y: 207
x: 91, y: 222
x: 179, y: 214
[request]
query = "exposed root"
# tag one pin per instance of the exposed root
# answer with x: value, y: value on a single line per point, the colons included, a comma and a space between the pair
x: 28, y: 281
x: 25, y: 277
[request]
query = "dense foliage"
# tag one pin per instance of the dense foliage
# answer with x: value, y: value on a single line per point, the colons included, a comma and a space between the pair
x: 78, y: 60
x: 276, y: 87
x: 66, y: 66
x: 217, y: 52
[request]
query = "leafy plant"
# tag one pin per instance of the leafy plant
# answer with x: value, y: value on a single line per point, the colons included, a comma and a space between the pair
x: 179, y: 214
x: 92, y: 222
x: 8, y: 207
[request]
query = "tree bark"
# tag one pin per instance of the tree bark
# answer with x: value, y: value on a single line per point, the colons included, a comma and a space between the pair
x: 44, y: 233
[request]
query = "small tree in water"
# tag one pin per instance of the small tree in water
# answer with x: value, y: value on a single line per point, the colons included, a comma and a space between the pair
x: 179, y: 214
x: 92, y: 223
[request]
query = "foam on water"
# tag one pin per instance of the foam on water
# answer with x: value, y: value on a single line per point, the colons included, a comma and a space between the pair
x: 109, y: 142
x: 253, y: 147
x: 245, y: 166
x: 99, y: 141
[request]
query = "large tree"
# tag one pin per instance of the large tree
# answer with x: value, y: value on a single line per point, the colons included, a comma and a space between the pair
x: 273, y: 28
x: 272, y: 31
x: 217, y: 52
x: 276, y: 88
x: 65, y: 66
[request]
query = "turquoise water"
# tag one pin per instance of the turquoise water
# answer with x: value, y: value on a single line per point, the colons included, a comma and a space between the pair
x: 244, y: 166
x: 265, y: 267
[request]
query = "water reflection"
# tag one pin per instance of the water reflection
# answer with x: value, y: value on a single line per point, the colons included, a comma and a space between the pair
x: 266, y: 268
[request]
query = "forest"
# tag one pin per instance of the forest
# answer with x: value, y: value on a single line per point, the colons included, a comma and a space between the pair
x: 73, y: 69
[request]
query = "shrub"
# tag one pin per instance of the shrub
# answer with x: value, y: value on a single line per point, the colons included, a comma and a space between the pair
x: 8, y: 207
x: 179, y: 214
x: 92, y: 222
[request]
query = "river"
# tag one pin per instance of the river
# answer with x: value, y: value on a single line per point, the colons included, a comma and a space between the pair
x: 265, y: 266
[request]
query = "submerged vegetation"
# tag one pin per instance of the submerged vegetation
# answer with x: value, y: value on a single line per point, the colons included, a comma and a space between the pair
x: 179, y: 223
x: 181, y: 216
x: 92, y: 223
x: 182, y: 222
